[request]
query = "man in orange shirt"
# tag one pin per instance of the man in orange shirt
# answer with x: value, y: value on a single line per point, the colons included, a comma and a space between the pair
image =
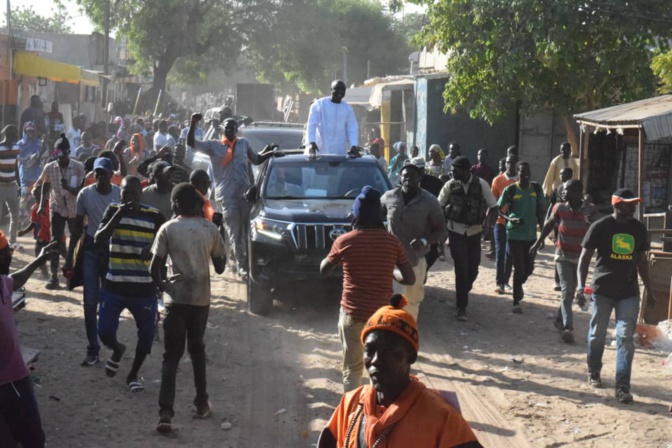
x: 396, y: 410
x: 369, y: 254
x: 503, y: 262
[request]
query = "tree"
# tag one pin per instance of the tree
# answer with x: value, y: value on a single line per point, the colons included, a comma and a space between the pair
x: 303, y: 49
x: 567, y: 56
x: 27, y: 19
x: 160, y: 32
x: 662, y: 68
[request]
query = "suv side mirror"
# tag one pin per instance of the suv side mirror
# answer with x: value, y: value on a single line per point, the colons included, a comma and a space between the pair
x: 252, y: 194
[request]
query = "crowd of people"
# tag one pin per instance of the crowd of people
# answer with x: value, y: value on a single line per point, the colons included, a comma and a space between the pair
x: 128, y: 196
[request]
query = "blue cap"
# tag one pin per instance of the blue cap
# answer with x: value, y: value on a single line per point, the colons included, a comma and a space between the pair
x: 367, y: 205
x: 103, y: 163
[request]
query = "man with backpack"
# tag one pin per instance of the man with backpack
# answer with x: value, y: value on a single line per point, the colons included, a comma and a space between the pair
x: 521, y: 205
x: 468, y: 203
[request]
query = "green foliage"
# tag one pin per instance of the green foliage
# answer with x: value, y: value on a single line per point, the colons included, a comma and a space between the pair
x: 27, y: 19
x: 662, y: 68
x: 303, y: 48
x: 568, y: 56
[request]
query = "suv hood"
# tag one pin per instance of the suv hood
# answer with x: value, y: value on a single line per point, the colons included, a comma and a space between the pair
x: 309, y: 210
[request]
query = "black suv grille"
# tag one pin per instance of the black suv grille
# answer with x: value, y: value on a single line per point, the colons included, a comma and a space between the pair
x: 317, y: 236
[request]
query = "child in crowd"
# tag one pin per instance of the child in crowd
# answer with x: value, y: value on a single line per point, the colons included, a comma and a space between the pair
x: 40, y: 224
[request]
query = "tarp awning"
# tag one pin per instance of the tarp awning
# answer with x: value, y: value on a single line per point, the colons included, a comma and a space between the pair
x: 358, y: 96
x: 654, y: 115
x: 90, y: 78
x: 376, y: 99
x: 31, y: 64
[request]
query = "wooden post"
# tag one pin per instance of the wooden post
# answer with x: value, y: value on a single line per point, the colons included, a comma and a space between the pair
x: 640, y: 174
x: 581, y: 164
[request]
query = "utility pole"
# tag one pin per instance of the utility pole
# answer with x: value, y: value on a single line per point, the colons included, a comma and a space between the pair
x: 106, y: 47
x: 106, y: 53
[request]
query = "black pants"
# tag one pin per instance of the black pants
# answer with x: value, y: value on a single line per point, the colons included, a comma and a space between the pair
x: 183, y: 323
x: 58, y: 224
x: 466, y: 253
x: 523, y: 266
x: 432, y: 255
x: 18, y: 407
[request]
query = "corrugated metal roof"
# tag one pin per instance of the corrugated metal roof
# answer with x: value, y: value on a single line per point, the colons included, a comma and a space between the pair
x: 652, y: 114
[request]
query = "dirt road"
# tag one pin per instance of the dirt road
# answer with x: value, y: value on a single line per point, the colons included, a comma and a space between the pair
x: 276, y: 379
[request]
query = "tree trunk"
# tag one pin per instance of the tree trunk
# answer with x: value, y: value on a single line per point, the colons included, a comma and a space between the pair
x: 160, y: 76
x: 571, y: 135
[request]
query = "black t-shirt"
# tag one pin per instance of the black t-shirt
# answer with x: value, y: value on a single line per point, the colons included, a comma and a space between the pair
x: 617, y: 244
x: 432, y: 184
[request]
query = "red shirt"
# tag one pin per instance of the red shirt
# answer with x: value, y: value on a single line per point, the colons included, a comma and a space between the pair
x: 43, y: 231
x: 368, y: 257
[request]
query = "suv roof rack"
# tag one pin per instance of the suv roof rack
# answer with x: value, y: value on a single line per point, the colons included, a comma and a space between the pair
x: 277, y: 124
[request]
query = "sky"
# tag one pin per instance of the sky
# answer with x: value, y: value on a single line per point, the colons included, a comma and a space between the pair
x: 79, y: 23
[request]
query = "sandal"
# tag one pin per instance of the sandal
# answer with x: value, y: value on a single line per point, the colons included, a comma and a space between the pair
x: 201, y: 414
x: 111, y: 368
x: 165, y: 428
x: 112, y: 364
x: 136, y: 386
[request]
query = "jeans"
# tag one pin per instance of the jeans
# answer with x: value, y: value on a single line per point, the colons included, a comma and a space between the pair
x: 143, y: 309
x: 58, y: 223
x: 9, y: 195
x: 567, y: 272
x: 236, y: 212
x: 414, y: 293
x: 18, y: 407
x: 94, y: 269
x: 350, y: 334
x: 183, y: 323
x: 627, y: 311
x: 466, y: 253
x: 523, y: 266
x: 503, y: 261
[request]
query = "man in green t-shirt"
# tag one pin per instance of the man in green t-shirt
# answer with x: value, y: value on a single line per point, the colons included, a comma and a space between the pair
x: 523, y: 203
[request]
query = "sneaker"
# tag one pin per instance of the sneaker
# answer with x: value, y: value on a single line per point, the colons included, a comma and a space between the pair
x: 508, y: 288
x: 623, y: 395
x: 16, y: 246
x: 567, y: 337
x: 500, y: 289
x: 204, y: 412
x: 557, y: 287
x: 595, y: 380
x: 517, y: 309
x: 90, y: 360
x: 461, y: 315
x: 52, y: 283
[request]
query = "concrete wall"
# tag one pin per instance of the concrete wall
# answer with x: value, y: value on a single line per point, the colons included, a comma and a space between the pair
x: 540, y: 139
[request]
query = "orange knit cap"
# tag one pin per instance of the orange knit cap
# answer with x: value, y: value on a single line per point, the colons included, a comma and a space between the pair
x: 3, y: 240
x: 393, y: 318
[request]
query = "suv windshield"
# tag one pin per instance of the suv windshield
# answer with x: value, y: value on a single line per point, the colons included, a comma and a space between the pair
x: 322, y: 180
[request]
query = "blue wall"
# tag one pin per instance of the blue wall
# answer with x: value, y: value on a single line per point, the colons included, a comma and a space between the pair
x: 434, y: 126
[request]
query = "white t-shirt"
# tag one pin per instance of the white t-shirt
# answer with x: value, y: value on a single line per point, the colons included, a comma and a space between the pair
x: 74, y: 136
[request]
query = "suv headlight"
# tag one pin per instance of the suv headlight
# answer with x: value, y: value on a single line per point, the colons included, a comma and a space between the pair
x: 275, y: 230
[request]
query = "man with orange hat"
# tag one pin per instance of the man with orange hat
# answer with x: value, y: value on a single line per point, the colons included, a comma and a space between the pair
x: 396, y: 409
x: 369, y: 254
x: 621, y: 242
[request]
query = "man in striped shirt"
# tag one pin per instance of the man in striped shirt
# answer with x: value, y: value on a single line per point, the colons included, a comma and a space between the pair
x: 130, y: 229
x: 369, y: 255
x: 573, y: 219
x: 9, y: 153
